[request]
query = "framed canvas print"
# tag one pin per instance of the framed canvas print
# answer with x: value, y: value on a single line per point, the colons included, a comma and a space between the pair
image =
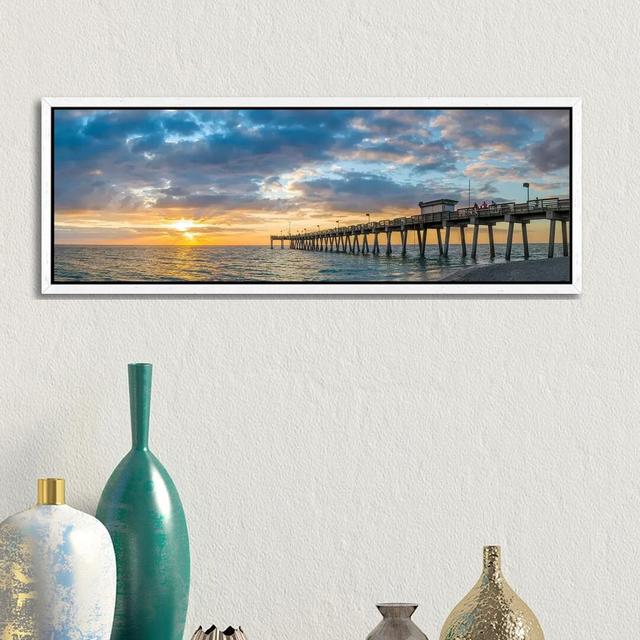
x: 311, y: 196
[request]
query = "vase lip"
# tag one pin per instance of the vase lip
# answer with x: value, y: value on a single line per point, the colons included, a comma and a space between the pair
x: 491, y: 553
x: 397, y: 609
x: 140, y: 364
x: 51, y: 491
x: 491, y: 560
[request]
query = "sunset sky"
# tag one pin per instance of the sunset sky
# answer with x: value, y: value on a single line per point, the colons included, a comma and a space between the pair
x: 234, y: 177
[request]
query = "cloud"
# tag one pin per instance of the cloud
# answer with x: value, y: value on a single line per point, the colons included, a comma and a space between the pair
x: 553, y: 152
x: 261, y: 162
x: 411, y: 151
x: 484, y: 128
x: 357, y: 191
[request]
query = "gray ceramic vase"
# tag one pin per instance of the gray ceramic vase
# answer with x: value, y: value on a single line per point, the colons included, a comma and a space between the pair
x: 396, y: 623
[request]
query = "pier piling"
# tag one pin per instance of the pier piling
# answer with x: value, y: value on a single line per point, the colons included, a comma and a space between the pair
x: 438, y: 215
x: 492, y: 248
x: 507, y: 255
x: 474, y: 245
x: 525, y: 241
x: 463, y: 242
x: 422, y: 241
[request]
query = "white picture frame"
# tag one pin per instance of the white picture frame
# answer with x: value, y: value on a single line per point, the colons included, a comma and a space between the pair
x: 48, y: 286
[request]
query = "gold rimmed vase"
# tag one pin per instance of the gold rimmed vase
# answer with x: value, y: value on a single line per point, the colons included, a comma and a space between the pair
x: 57, y: 571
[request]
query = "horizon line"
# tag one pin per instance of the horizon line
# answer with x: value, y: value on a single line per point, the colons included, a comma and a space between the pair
x: 78, y: 244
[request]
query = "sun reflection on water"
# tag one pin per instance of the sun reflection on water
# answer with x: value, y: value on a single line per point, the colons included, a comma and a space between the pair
x: 108, y: 263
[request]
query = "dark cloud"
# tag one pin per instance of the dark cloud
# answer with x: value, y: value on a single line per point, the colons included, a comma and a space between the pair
x: 553, y: 152
x: 303, y: 119
x: 120, y: 124
x: 180, y: 124
x: 234, y: 159
x: 148, y: 143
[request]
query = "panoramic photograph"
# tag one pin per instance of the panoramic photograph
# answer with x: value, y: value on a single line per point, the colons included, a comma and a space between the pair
x: 310, y: 196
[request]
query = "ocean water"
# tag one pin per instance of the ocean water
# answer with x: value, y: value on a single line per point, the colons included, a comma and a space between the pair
x: 204, y: 264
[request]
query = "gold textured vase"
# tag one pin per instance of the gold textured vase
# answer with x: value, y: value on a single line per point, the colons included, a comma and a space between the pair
x: 491, y: 610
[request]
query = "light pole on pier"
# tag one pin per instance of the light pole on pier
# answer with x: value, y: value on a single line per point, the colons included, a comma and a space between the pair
x: 526, y: 186
x: 368, y: 217
x: 338, y: 223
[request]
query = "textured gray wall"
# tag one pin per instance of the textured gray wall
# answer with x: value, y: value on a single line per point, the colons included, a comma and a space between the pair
x: 332, y: 453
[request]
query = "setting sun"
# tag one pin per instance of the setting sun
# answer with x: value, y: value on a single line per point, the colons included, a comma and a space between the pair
x: 183, y: 225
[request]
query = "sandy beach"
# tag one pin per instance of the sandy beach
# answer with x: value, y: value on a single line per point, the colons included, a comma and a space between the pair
x: 550, y: 270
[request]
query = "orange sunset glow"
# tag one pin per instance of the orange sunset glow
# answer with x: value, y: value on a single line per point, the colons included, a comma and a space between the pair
x: 159, y: 229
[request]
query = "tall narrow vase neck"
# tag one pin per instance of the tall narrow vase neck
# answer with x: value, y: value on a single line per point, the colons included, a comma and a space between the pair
x: 140, y: 402
x: 491, y: 563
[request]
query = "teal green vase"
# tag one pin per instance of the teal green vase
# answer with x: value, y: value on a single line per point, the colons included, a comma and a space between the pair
x: 142, y: 511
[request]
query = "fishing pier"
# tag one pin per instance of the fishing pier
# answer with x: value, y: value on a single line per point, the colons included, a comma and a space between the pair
x: 440, y: 215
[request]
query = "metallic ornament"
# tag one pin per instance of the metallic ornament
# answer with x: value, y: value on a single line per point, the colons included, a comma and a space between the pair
x: 396, y: 623
x: 491, y: 610
x: 57, y: 572
x: 213, y: 633
x: 141, y: 509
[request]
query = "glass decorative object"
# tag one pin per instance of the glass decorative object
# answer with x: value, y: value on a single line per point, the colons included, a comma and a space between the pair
x: 396, y: 623
x: 141, y: 509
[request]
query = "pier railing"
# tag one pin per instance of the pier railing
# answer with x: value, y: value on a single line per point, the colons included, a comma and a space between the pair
x: 507, y: 208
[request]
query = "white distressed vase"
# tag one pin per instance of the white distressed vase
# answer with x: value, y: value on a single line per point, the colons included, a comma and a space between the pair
x: 57, y: 572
